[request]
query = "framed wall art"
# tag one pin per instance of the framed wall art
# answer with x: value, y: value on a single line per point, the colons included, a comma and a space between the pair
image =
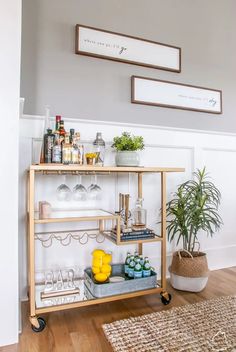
x: 124, y: 48
x: 168, y: 94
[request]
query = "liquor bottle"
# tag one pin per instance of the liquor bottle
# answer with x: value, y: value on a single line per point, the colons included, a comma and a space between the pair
x: 46, y: 127
x: 66, y: 150
x: 138, y: 269
x: 58, y: 120
x: 56, y: 150
x: 99, y: 145
x: 131, y: 267
x: 74, y: 151
x: 80, y: 149
x: 48, y: 142
x: 139, y: 215
x: 81, y: 154
x: 72, y: 133
x: 62, y: 131
x: 146, y: 268
x: 127, y: 261
x: 141, y: 260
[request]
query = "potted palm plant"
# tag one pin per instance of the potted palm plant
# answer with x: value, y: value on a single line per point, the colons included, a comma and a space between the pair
x: 193, y: 208
x: 126, y: 147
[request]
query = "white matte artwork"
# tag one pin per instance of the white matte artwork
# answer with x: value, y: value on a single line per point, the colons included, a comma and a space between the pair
x: 120, y: 47
x: 155, y: 92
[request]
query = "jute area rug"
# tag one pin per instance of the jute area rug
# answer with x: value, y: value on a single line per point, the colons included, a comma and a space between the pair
x: 206, y: 326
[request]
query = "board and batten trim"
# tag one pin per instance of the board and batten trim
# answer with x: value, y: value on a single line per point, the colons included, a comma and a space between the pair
x: 107, y: 57
x: 143, y: 102
x: 225, y: 150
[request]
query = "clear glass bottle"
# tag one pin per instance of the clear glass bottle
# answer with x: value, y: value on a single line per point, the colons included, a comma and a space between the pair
x: 56, y: 150
x: 46, y: 127
x: 99, y: 145
x: 80, y: 149
x: 81, y: 154
x: 66, y: 150
x: 139, y: 215
x: 74, y: 151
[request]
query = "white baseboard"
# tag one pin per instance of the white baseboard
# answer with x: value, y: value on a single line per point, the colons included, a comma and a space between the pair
x: 221, y: 257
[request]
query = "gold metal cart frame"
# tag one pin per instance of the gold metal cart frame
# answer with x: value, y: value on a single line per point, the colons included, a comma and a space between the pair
x: 90, y: 170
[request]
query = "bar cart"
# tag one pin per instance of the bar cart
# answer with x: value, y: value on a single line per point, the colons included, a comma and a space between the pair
x: 38, y: 323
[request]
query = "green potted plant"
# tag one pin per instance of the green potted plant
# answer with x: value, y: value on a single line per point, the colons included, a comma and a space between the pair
x: 126, y: 147
x: 193, y: 208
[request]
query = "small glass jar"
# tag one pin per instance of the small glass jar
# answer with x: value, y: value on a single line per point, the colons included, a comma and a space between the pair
x: 90, y: 158
x: 90, y: 155
x: 139, y: 215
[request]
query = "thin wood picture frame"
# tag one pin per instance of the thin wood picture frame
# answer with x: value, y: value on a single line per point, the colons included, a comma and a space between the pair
x: 128, y: 49
x: 168, y: 94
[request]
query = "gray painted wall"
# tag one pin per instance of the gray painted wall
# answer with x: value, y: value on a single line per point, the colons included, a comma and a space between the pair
x: 83, y: 87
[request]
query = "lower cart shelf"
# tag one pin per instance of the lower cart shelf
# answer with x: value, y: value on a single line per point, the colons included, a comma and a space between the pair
x: 84, y: 298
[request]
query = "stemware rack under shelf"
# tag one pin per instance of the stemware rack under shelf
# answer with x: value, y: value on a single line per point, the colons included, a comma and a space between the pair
x: 65, y: 237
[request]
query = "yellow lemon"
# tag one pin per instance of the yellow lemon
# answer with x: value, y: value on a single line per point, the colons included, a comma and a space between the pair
x: 106, y: 269
x: 107, y: 259
x: 95, y: 270
x: 97, y: 262
x: 101, y: 277
x: 98, y: 253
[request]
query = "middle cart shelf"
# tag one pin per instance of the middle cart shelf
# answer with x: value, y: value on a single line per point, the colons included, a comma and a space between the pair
x: 76, y: 215
x: 99, y: 215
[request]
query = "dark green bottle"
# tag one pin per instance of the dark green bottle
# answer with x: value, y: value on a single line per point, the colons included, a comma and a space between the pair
x: 48, y: 142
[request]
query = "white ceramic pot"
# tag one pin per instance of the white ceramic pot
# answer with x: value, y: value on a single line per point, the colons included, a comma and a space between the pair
x: 127, y: 158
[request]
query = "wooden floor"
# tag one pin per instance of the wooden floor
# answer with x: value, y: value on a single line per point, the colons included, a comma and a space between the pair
x: 80, y: 330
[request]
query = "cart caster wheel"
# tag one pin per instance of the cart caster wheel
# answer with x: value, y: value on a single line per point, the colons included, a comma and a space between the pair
x: 42, y: 324
x: 166, y: 299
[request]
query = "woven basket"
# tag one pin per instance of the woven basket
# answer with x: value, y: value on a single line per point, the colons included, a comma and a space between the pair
x: 186, y: 266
